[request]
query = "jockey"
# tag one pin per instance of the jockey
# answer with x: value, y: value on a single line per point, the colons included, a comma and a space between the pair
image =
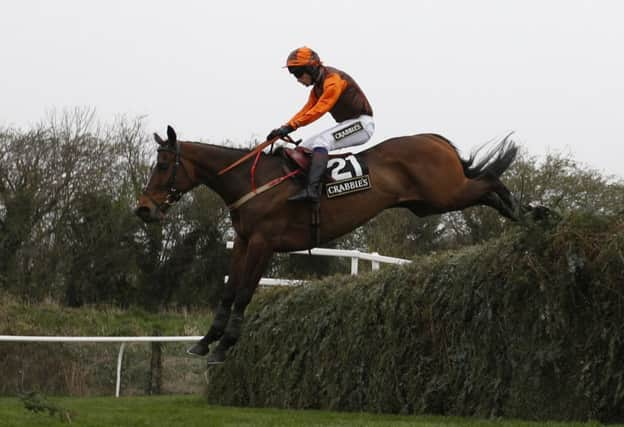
x: 333, y: 91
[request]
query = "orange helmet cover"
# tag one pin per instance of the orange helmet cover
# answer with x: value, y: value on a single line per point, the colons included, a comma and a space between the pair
x: 303, y: 56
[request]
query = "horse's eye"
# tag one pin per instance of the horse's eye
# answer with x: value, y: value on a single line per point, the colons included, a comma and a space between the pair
x: 162, y: 165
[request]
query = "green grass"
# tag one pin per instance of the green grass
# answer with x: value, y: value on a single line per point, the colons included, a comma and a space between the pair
x: 191, y: 411
x: 88, y: 369
x: 49, y: 318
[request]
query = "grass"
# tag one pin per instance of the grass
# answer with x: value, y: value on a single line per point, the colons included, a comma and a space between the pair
x: 191, y: 411
x: 88, y: 369
x: 27, y: 319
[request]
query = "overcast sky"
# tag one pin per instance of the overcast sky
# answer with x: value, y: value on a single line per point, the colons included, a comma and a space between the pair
x: 552, y: 71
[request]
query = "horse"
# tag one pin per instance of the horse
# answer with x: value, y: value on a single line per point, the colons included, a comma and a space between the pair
x: 423, y: 173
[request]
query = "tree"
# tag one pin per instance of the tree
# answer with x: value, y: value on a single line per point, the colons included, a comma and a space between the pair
x: 558, y: 182
x: 67, y: 231
x: 37, y: 187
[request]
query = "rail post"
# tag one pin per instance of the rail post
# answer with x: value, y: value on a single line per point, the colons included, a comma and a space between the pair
x: 119, y: 360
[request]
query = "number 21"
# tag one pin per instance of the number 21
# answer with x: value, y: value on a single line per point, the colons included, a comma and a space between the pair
x: 338, y: 166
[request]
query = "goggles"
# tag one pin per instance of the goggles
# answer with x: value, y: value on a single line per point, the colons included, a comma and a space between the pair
x: 297, y: 71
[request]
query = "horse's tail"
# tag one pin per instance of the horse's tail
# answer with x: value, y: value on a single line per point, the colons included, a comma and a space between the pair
x: 494, y: 163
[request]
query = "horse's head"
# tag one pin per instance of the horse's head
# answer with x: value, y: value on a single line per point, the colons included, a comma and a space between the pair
x: 168, y: 181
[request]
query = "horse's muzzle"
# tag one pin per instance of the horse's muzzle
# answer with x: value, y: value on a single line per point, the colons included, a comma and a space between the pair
x: 148, y: 211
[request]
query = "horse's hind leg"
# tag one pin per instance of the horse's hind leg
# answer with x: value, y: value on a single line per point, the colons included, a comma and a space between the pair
x: 494, y: 201
x: 510, y: 205
x: 490, y: 193
x: 222, y: 314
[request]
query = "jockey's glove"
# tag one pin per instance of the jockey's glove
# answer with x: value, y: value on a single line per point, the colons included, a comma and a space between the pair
x: 280, y: 132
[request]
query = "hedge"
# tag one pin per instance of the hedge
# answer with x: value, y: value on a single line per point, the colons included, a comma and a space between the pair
x: 529, y: 325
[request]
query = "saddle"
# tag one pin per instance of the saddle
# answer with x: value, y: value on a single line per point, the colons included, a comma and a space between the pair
x: 300, y: 158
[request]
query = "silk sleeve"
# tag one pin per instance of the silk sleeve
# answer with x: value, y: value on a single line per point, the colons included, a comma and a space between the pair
x: 333, y: 87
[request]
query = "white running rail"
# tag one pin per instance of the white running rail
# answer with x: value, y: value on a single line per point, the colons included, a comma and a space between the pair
x: 122, y: 340
x: 355, y: 256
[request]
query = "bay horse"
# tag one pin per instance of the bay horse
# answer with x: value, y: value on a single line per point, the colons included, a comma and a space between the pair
x: 423, y: 173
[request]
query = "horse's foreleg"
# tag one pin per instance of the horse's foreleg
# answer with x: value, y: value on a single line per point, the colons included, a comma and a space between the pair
x: 256, y: 260
x: 222, y: 314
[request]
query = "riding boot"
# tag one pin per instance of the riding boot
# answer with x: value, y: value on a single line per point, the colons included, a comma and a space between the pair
x: 312, y: 191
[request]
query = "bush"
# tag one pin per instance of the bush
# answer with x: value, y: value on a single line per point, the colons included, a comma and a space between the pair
x: 527, y: 325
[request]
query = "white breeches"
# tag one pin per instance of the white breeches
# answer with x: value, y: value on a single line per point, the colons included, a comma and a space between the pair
x: 344, y: 134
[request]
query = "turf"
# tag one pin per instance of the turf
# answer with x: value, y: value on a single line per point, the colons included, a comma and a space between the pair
x: 191, y: 411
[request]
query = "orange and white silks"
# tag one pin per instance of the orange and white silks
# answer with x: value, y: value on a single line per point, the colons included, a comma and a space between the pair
x: 336, y: 93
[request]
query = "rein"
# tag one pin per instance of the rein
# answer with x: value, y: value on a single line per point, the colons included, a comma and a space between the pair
x: 174, y: 194
x: 257, y: 151
x: 254, y: 192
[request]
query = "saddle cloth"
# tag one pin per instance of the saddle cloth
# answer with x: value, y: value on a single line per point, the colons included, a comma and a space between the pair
x: 339, y: 166
x: 345, y: 174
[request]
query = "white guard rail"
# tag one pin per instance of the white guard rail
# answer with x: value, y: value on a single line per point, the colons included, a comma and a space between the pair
x: 355, y: 256
x: 122, y: 340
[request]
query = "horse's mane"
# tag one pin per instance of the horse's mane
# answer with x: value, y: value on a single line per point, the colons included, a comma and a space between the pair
x: 204, y: 144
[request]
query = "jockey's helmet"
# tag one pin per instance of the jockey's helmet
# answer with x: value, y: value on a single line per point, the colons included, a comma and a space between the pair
x: 302, y: 60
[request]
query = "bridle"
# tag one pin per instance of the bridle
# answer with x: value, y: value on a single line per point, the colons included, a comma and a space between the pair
x: 174, y: 194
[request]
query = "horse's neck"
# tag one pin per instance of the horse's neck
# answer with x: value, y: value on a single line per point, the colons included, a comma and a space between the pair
x: 209, y: 160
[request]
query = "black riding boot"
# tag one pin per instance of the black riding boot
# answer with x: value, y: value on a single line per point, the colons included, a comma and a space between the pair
x: 312, y: 191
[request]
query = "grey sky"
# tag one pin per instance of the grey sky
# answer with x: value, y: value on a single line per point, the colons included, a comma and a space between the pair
x: 471, y: 70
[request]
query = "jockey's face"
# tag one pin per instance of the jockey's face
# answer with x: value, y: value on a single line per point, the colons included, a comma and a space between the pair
x: 302, y: 74
x: 305, y: 79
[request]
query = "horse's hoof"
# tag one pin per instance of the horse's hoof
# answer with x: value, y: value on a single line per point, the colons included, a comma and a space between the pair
x: 200, y: 348
x: 216, y: 357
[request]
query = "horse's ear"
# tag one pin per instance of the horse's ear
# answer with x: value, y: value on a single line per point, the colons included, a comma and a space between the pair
x: 158, y: 139
x: 171, y: 135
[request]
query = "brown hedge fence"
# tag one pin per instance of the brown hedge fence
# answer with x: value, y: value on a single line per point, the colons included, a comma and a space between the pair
x: 530, y: 325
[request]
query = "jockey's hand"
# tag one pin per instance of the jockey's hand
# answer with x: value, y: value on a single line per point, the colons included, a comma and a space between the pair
x: 280, y: 132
